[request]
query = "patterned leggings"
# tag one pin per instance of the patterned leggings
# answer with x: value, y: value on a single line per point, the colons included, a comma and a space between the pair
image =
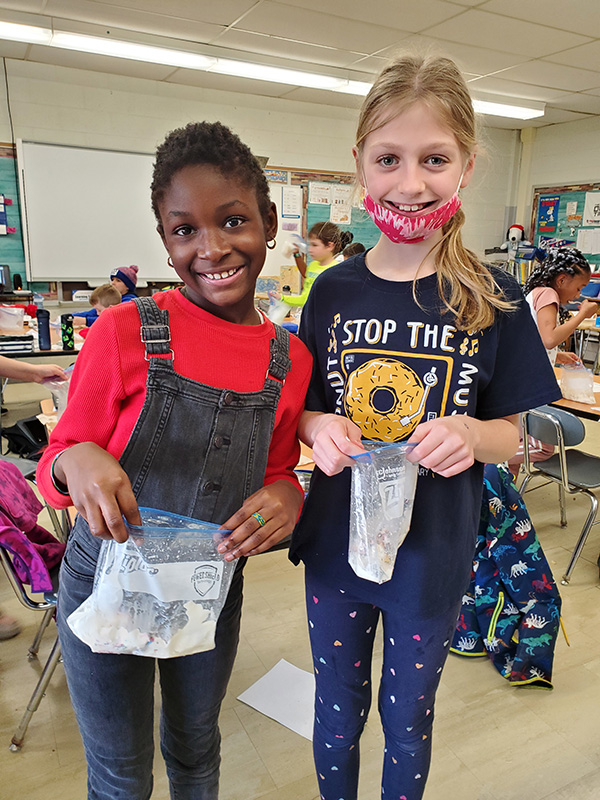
x: 342, y: 631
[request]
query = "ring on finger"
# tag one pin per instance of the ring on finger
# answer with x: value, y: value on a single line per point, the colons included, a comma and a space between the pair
x: 259, y: 518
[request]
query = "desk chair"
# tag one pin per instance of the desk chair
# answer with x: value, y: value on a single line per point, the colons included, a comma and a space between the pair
x: 19, y: 508
x: 574, y: 471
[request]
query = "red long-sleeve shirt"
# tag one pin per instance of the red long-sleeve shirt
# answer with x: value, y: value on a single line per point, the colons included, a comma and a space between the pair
x: 108, y: 385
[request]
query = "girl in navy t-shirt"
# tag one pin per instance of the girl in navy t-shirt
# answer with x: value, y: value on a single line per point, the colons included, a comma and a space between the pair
x: 415, y: 340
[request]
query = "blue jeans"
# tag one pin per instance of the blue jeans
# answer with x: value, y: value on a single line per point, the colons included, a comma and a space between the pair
x: 113, y: 699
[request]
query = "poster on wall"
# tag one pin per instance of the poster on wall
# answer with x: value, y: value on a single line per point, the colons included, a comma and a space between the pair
x: 319, y: 193
x: 548, y: 213
x: 591, y: 211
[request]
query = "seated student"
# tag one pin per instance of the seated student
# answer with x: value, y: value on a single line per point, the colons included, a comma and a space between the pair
x: 34, y: 373
x: 559, y: 280
x: 353, y: 249
x: 102, y: 297
x: 125, y: 280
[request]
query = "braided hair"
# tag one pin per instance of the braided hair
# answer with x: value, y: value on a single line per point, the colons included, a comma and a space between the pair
x: 558, y: 261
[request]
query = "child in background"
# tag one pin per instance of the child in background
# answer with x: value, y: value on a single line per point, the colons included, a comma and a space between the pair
x: 353, y: 249
x: 101, y: 298
x: 186, y: 401
x: 325, y: 241
x: 414, y: 340
x: 557, y: 281
x: 125, y: 280
x: 28, y: 373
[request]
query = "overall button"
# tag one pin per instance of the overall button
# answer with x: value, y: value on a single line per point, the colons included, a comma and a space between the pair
x: 208, y: 487
x: 228, y: 398
x: 218, y: 441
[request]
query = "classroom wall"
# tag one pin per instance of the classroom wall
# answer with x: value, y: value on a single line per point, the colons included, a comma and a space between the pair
x: 71, y: 106
x: 565, y: 154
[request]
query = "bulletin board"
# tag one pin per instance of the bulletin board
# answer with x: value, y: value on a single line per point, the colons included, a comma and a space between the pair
x: 11, y: 244
x: 568, y: 216
x: 358, y: 221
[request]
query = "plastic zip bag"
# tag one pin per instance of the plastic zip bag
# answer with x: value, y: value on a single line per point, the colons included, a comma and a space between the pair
x: 381, y: 503
x: 160, y: 593
x: 577, y: 383
x: 59, y: 390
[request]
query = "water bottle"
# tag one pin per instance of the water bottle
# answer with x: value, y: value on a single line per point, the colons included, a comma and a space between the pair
x: 38, y: 300
x: 66, y: 331
x: 43, y: 320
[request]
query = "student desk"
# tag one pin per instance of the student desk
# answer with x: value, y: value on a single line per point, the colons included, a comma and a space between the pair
x: 585, y: 410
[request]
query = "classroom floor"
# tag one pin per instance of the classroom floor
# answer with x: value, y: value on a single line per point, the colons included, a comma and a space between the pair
x: 492, y: 741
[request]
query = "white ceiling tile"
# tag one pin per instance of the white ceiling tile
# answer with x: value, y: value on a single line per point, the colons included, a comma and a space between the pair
x: 411, y: 17
x: 544, y: 73
x: 115, y: 66
x: 524, y: 38
x: 476, y: 60
x: 225, y: 12
x: 304, y: 25
x: 586, y: 56
x: 325, y: 98
x: 311, y: 54
x: 496, y: 85
x: 110, y: 15
x: 30, y: 6
x: 585, y: 103
x: 577, y: 16
x: 554, y: 116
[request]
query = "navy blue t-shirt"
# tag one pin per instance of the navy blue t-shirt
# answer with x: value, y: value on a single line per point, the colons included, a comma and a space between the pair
x: 389, y: 363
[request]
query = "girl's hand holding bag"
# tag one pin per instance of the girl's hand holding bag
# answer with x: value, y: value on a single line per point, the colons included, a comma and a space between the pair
x: 159, y: 593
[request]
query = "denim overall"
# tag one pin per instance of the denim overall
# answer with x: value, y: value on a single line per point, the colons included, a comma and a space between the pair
x: 197, y: 451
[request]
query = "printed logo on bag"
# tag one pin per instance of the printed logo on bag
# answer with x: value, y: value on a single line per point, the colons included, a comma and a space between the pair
x: 204, y: 578
x: 134, y: 563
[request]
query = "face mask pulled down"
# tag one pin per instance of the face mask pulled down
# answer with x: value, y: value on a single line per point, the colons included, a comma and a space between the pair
x: 402, y: 229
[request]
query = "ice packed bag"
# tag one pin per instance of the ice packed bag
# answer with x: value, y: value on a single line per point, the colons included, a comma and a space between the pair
x: 158, y: 594
x: 381, y: 503
x: 577, y: 383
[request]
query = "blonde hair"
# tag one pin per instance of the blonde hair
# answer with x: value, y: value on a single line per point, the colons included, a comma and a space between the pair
x: 105, y: 295
x: 466, y: 286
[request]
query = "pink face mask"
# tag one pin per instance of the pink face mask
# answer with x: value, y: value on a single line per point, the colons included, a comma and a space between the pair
x: 400, y: 228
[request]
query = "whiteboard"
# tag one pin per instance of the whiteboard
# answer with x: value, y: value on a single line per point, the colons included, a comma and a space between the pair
x: 87, y: 211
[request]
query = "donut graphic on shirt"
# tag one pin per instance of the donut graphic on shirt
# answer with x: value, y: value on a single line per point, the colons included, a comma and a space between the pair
x: 386, y: 398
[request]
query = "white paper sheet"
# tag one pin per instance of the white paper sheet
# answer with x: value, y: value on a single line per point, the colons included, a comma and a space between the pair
x: 285, y: 694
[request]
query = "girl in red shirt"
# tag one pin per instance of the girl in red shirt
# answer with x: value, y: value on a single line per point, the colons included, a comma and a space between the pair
x: 188, y: 402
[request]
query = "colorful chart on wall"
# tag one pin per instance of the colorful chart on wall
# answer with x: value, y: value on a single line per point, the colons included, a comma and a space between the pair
x: 568, y: 216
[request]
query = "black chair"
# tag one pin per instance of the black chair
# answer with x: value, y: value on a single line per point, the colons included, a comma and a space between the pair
x: 574, y: 471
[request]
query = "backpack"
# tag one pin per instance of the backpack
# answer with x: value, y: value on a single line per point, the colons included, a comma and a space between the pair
x: 27, y: 438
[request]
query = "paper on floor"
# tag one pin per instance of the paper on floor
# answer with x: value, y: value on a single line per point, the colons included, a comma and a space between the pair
x: 285, y: 694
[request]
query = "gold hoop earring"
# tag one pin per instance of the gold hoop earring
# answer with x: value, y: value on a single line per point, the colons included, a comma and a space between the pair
x: 170, y: 261
x: 272, y: 244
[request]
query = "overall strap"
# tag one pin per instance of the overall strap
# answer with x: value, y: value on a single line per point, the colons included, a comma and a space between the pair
x: 155, y: 332
x: 280, y: 362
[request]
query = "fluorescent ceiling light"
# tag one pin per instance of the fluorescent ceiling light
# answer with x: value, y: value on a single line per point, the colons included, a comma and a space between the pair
x: 131, y: 50
x: 99, y: 45
x: 261, y: 72
x: 30, y: 34
x: 506, y: 108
